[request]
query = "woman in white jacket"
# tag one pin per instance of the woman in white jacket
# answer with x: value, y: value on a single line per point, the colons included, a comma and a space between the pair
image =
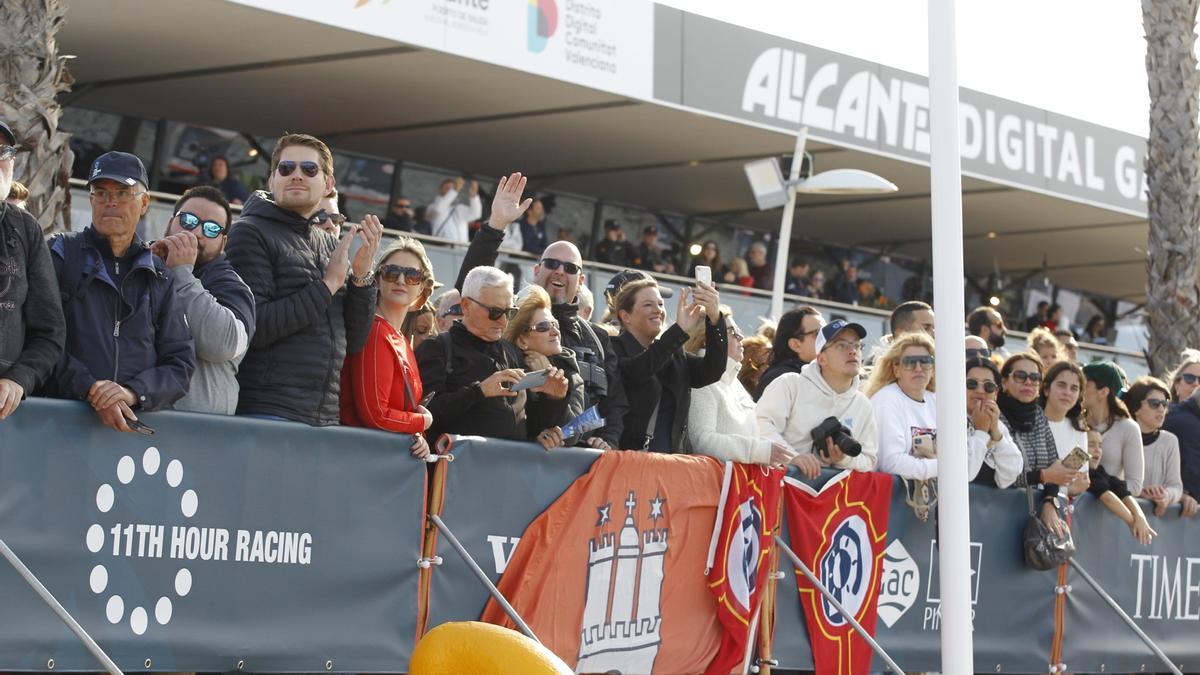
x: 901, y: 392
x: 721, y: 421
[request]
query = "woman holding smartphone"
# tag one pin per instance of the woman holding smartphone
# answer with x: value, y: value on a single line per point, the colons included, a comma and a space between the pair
x: 534, y: 331
x: 1062, y: 403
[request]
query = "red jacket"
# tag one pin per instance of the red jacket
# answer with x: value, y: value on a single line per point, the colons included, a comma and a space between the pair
x: 373, y: 390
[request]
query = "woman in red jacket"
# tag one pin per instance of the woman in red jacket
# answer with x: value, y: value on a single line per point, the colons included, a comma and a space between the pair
x: 381, y: 387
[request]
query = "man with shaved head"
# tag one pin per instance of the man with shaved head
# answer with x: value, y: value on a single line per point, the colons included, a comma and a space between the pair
x: 560, y: 272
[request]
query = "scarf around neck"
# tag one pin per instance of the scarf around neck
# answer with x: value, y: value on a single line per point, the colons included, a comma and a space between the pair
x: 1020, y: 415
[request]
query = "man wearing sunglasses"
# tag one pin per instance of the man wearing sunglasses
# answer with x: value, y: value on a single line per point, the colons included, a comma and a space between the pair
x: 218, y: 304
x: 328, y: 217
x: 32, y: 330
x: 560, y: 273
x: 128, y: 344
x: 313, y: 304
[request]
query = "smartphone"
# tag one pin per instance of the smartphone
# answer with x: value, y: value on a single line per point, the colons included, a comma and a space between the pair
x: 924, y: 446
x: 1076, y: 459
x: 704, y: 274
x: 535, y: 379
x: 139, y: 427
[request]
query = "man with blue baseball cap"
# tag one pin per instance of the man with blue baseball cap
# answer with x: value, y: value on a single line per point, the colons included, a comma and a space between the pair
x: 31, y: 320
x: 128, y: 345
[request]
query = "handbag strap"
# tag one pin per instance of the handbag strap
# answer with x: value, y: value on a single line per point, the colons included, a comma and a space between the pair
x: 1028, y: 488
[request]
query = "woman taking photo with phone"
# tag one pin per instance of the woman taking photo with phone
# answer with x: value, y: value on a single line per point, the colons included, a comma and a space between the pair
x: 534, y: 331
x: 381, y: 386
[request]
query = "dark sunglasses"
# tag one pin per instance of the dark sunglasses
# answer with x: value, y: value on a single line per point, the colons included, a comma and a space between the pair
x: 392, y: 274
x: 988, y: 386
x: 1189, y: 378
x: 913, y: 362
x: 8, y: 152
x: 288, y: 167
x: 1022, y: 377
x: 321, y: 216
x: 454, y: 310
x: 979, y: 353
x: 494, y: 313
x: 1157, y: 403
x: 190, y: 221
x: 552, y: 265
x: 543, y: 326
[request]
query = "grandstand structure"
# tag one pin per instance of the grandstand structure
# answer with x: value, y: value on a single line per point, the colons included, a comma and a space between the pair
x: 618, y: 110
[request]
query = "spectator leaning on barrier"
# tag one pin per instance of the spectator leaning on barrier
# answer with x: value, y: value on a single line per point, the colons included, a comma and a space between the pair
x: 758, y: 267
x: 1123, y: 456
x: 1184, y: 421
x: 1114, y: 494
x: 1147, y: 400
x: 230, y: 187
x: 535, y: 331
x: 32, y: 329
x: 470, y: 369
x: 533, y: 228
x: 902, y: 396
x: 614, y: 249
x: 128, y: 346
x: 1039, y: 315
x: 1062, y: 403
x: 796, y: 282
x: 988, y: 324
x: 218, y: 304
x: 647, y: 256
x: 451, y: 220
x: 381, y: 385
x: 560, y: 273
x: 795, y: 344
x: 721, y: 420
x: 992, y: 456
x: 307, y: 316
x: 658, y: 375
x: 818, y: 399
x: 400, y: 217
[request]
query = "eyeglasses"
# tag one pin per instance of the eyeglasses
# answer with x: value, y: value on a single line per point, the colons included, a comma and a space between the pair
x: 1189, y: 378
x: 543, y: 326
x: 1021, y: 377
x: 977, y: 353
x: 553, y: 264
x: 1157, y: 403
x: 914, y: 362
x: 846, y: 347
x: 988, y: 386
x: 805, y: 333
x: 287, y: 168
x: 8, y: 152
x: 392, y: 274
x: 123, y: 195
x: 494, y: 313
x: 190, y: 221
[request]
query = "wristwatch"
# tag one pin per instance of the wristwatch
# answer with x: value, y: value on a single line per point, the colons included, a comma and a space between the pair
x: 364, y: 280
x: 1053, y: 500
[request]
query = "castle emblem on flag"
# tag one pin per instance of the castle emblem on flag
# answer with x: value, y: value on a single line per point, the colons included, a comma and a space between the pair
x: 617, y: 633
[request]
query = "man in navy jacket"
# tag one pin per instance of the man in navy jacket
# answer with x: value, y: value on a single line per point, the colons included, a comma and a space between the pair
x: 128, y: 345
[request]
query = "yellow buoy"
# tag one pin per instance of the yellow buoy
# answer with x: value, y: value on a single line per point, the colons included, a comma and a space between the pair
x: 482, y: 649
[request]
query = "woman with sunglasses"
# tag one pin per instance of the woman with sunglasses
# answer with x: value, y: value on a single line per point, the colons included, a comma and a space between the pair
x: 992, y: 457
x: 1183, y: 420
x: 901, y: 392
x: 1185, y: 379
x: 534, y: 331
x: 1020, y: 379
x: 1147, y: 400
x: 381, y: 386
x: 1122, y: 439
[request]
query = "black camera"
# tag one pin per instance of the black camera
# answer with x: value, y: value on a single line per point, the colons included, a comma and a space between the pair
x: 833, y: 429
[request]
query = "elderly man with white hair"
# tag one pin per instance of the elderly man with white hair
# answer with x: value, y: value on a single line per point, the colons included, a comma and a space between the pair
x: 470, y: 371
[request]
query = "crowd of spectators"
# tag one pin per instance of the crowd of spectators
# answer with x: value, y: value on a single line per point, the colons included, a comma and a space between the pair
x: 291, y: 312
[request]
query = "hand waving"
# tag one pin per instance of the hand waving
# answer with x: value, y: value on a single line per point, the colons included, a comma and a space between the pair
x: 507, y: 205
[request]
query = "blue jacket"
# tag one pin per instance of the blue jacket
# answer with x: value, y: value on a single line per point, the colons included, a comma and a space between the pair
x: 135, y: 335
x: 1184, y: 422
x: 533, y: 236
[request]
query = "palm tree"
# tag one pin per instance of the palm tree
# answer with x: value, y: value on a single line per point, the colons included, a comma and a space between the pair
x: 1173, y: 176
x: 32, y: 74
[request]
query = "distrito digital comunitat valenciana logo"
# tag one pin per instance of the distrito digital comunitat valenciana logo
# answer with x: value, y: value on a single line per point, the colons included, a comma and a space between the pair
x: 147, y: 567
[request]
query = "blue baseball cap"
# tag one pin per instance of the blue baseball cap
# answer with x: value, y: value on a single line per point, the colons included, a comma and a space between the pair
x: 121, y: 167
x: 831, y: 329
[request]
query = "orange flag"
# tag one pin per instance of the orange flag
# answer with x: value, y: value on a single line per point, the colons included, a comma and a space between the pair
x: 611, y: 575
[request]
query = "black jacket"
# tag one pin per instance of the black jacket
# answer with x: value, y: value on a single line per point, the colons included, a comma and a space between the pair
x: 32, y: 328
x: 618, y: 253
x: 1184, y: 422
x: 664, y: 365
x: 302, y: 333
x: 132, y: 332
x: 598, y: 364
x: 791, y: 364
x: 453, y: 364
x: 543, y: 413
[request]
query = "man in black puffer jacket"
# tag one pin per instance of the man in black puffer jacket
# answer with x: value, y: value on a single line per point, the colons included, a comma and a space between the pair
x: 307, y: 316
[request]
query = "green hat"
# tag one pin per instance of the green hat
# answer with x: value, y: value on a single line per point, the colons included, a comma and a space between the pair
x: 1106, y: 374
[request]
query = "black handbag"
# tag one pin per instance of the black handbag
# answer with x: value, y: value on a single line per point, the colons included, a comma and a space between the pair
x: 1044, y: 550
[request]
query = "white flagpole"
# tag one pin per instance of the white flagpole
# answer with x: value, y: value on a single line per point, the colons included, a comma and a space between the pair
x: 954, y: 524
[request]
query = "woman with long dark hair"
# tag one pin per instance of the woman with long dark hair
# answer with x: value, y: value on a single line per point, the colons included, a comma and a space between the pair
x: 1122, y: 439
x: 992, y: 456
x: 795, y: 344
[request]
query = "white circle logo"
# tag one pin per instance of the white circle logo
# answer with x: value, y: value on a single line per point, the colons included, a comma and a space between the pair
x: 98, y: 578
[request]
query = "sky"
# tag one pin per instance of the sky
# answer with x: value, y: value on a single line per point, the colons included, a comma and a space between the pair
x: 1082, y: 58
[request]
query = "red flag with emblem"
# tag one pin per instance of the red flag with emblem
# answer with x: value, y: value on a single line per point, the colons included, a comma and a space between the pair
x: 737, y: 562
x: 840, y: 532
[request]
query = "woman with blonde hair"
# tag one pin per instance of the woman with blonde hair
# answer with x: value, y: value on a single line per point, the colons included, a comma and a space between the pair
x: 381, y: 386
x: 1185, y: 379
x: 901, y: 392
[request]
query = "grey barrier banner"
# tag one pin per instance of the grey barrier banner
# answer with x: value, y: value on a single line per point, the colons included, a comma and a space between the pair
x: 217, y: 544
x: 773, y: 82
x: 1158, y: 586
x: 1013, y: 605
x: 494, y: 489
